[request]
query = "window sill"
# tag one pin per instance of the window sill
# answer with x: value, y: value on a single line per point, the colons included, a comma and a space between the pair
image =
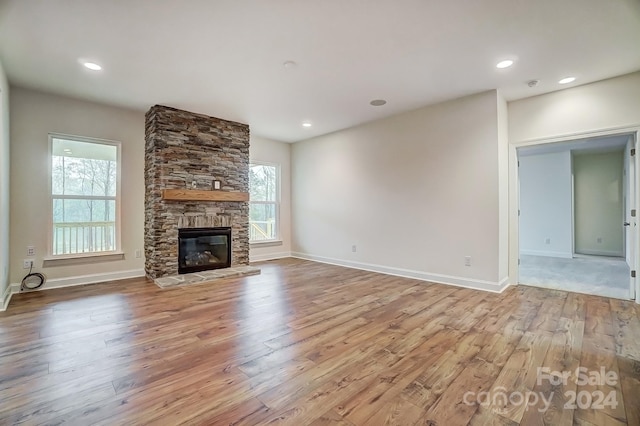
x: 77, y: 259
x: 267, y: 243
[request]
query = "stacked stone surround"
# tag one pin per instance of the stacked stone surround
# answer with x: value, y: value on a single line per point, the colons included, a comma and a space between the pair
x: 181, y: 148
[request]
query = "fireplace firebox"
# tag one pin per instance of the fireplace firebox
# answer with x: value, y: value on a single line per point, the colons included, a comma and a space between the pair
x: 201, y: 249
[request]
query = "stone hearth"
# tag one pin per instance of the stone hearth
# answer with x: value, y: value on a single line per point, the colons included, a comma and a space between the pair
x: 185, y: 150
x: 206, y: 276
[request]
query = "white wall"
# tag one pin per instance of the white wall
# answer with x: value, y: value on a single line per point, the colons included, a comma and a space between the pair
x: 606, y: 104
x: 4, y: 184
x: 275, y: 152
x: 599, y: 206
x: 415, y: 193
x: 503, y: 187
x: 35, y: 114
x: 546, y: 204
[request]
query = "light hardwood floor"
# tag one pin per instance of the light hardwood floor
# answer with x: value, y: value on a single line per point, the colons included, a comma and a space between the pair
x: 309, y: 343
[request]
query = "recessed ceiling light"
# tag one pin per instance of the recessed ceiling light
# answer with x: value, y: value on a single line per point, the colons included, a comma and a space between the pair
x: 306, y: 124
x: 378, y: 102
x: 567, y: 80
x: 504, y: 64
x: 92, y: 66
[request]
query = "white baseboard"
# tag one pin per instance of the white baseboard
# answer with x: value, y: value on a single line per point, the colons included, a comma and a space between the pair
x: 6, y: 296
x: 92, y: 279
x: 504, y: 283
x: 494, y: 287
x: 269, y: 256
x: 562, y: 254
x: 77, y: 280
x: 602, y: 253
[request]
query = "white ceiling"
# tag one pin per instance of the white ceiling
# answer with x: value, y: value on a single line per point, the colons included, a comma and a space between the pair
x: 225, y: 57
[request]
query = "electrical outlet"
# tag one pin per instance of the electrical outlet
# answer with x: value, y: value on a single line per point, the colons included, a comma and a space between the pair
x: 467, y: 261
x: 547, y: 241
x: 27, y: 263
x: 354, y: 248
x: 31, y: 251
x: 599, y: 240
x: 138, y: 254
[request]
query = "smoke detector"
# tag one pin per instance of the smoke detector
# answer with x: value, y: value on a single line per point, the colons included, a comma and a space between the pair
x: 533, y: 83
x: 378, y: 102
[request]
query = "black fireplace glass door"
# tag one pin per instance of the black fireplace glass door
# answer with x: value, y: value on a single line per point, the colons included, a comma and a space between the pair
x: 202, y: 249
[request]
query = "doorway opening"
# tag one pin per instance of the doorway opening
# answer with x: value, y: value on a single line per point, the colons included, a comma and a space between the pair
x: 577, y: 222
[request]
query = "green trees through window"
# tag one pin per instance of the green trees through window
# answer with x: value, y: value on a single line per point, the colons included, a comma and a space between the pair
x: 84, y: 184
x: 264, y: 202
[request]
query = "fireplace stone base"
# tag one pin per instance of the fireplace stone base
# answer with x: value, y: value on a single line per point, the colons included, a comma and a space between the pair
x: 206, y: 276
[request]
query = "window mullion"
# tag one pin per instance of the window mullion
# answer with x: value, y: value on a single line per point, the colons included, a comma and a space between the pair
x: 84, y: 197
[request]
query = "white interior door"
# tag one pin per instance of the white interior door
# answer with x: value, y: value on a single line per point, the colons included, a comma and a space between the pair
x: 630, y: 211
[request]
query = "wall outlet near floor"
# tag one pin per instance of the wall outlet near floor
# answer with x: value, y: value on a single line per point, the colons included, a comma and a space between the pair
x: 31, y: 251
x: 599, y: 240
x: 27, y: 263
x: 354, y: 248
x: 138, y: 254
x: 547, y: 240
x: 467, y: 261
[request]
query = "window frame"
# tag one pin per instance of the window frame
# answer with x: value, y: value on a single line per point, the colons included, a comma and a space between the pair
x: 277, y: 238
x: 118, y: 222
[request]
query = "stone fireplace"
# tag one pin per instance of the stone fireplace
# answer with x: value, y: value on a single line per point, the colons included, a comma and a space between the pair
x: 194, y: 154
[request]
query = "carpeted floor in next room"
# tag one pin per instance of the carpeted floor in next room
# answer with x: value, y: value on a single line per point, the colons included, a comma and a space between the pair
x: 597, y: 275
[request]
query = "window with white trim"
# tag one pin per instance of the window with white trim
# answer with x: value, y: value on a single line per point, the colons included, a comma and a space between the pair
x: 85, y: 177
x: 264, y: 204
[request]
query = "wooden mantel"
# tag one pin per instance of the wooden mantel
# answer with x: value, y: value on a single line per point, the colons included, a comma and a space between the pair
x: 201, y: 195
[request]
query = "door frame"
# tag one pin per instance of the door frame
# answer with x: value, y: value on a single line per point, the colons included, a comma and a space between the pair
x: 514, y: 195
x: 631, y: 202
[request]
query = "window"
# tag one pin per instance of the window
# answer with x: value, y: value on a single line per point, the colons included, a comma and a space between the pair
x: 84, y: 195
x: 264, y: 189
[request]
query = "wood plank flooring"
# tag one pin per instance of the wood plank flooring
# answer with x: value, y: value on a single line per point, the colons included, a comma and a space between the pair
x: 306, y: 343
